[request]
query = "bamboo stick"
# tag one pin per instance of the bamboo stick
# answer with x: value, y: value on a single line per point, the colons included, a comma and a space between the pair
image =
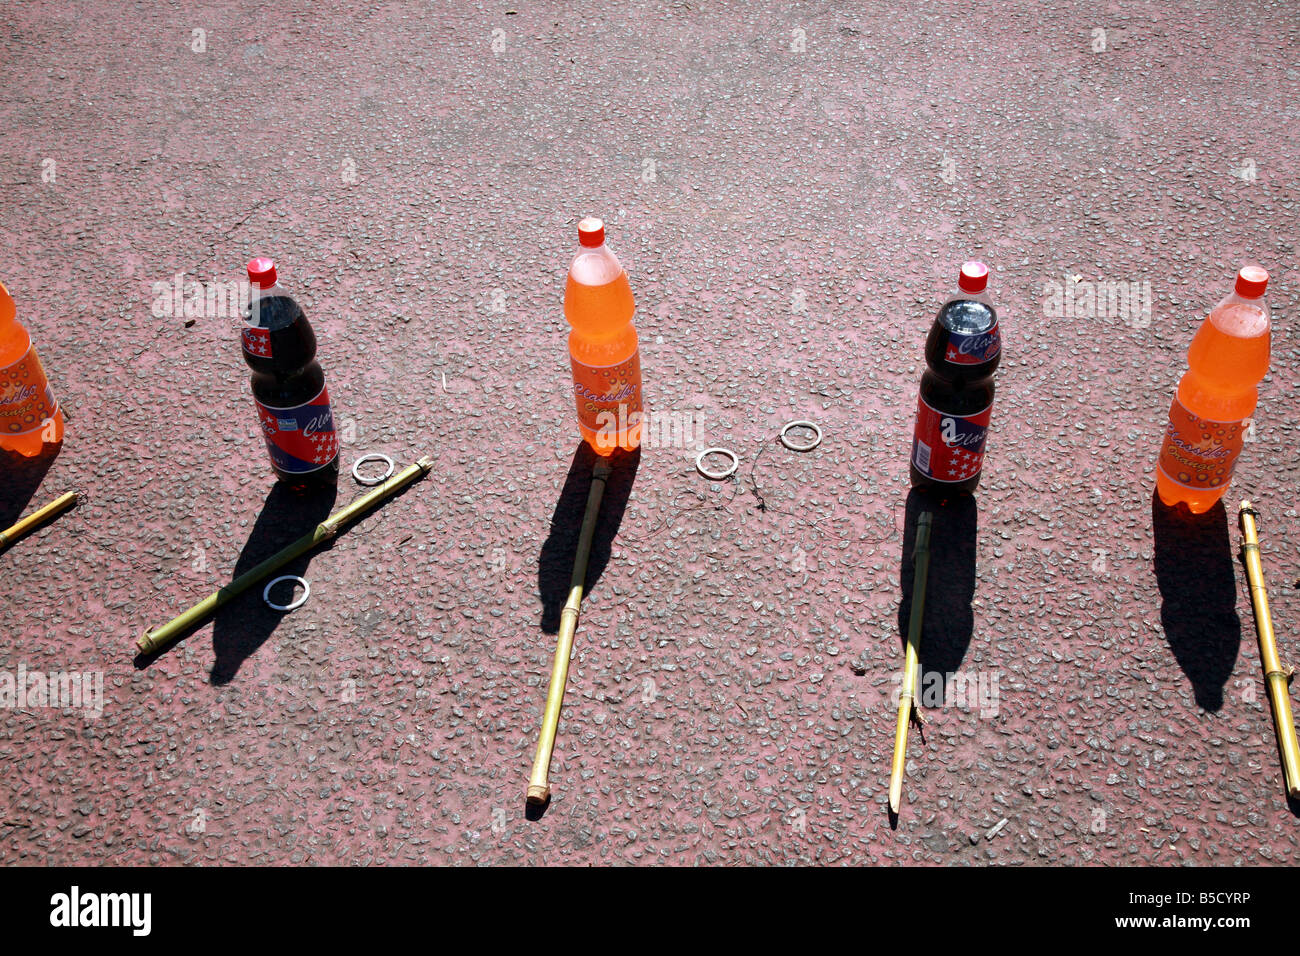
x: 539, y: 787
x: 36, y: 519
x: 911, y: 668
x: 1276, y: 677
x: 153, y: 641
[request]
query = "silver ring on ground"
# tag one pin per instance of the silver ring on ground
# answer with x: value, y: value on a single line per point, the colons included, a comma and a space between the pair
x: 802, y: 423
x: 373, y: 456
x: 717, y: 475
x: 292, y: 605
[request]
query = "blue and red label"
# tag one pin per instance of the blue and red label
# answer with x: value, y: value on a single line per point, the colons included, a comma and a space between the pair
x: 949, y: 448
x: 974, y: 349
x: 300, y: 439
x: 257, y: 341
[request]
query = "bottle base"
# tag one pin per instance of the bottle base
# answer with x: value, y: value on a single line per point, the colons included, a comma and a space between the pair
x: 1172, y: 495
x: 606, y: 444
x: 945, y: 489
x: 33, y: 443
x: 327, y: 477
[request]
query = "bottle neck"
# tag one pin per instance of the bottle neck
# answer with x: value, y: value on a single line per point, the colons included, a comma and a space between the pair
x: 265, y: 291
x: 961, y: 295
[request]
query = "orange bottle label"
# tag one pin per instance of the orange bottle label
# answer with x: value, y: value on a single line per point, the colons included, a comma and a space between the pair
x: 608, y: 396
x: 26, y: 400
x: 1198, y: 452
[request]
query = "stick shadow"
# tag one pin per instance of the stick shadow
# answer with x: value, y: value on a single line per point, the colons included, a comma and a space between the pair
x: 555, y: 561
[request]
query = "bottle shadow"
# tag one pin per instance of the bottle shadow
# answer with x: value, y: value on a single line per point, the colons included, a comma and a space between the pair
x: 1198, y: 596
x: 19, y: 478
x: 244, y: 624
x: 555, y: 561
x: 949, y: 616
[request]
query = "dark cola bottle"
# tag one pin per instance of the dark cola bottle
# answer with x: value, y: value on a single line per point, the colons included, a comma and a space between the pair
x: 952, y: 415
x: 293, y: 406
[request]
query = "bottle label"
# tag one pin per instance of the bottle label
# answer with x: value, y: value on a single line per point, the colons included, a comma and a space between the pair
x: 257, y: 341
x: 300, y: 439
x: 974, y: 349
x: 1197, y: 452
x: 608, y: 396
x: 26, y: 399
x: 949, y: 448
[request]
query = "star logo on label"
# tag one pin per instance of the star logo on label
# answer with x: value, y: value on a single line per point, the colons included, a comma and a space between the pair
x: 964, y: 464
x: 256, y: 342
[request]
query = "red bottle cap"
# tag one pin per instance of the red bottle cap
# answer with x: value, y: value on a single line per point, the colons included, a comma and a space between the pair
x: 261, y: 272
x: 974, y: 277
x: 1251, y: 282
x: 591, y: 232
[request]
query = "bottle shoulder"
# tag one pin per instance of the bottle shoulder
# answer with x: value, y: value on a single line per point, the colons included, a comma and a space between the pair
x: 1241, y: 318
x: 274, y: 312
x: 596, y: 267
x: 967, y: 315
x: 14, y: 345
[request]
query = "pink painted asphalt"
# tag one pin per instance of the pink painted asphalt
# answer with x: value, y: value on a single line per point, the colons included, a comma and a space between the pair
x: 792, y: 190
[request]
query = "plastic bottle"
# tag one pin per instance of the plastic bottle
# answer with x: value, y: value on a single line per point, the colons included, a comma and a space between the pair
x: 1226, y: 361
x: 603, y: 351
x: 30, y: 418
x: 288, y: 384
x: 962, y: 352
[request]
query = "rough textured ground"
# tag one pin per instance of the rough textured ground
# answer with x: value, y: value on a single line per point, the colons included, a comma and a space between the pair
x: 792, y: 188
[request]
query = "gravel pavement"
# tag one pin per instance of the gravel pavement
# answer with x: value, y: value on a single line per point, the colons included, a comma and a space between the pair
x: 791, y: 188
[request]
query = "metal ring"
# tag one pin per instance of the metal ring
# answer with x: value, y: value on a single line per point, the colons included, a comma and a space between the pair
x: 292, y: 605
x: 717, y: 475
x: 802, y: 423
x: 373, y: 456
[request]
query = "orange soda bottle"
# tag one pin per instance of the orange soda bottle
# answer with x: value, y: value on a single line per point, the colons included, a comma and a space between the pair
x: 603, y: 351
x: 29, y: 415
x: 1227, y: 359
